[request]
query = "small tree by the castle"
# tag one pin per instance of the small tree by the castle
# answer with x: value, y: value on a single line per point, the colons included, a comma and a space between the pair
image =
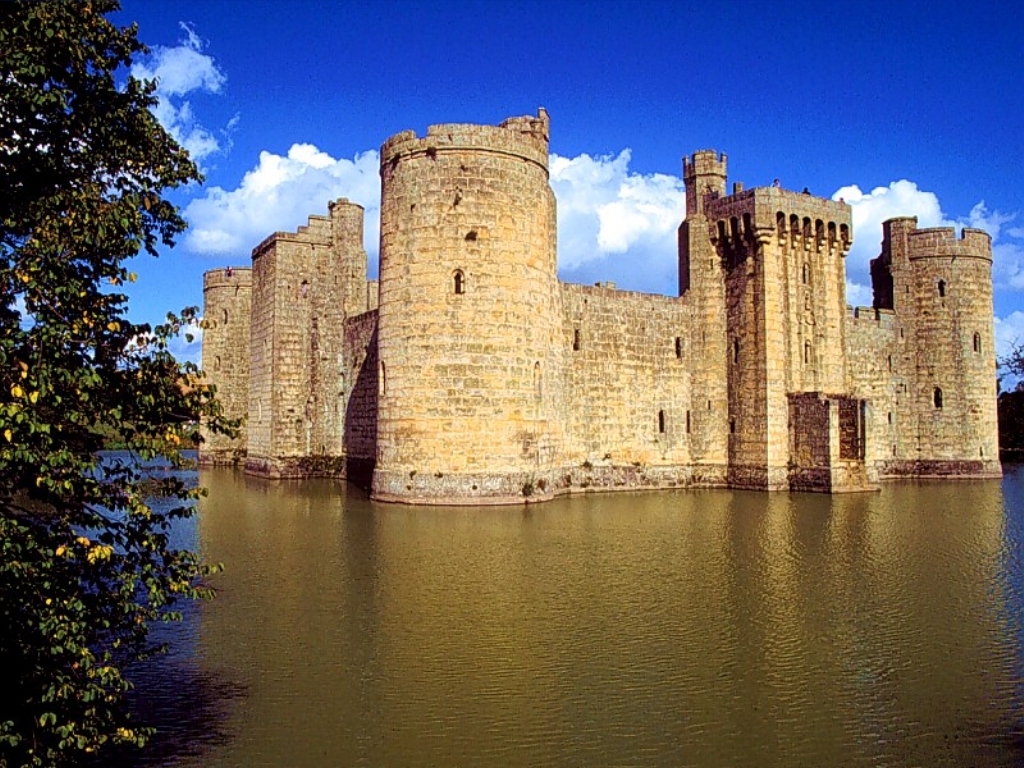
x: 85, y: 559
x: 1011, y: 405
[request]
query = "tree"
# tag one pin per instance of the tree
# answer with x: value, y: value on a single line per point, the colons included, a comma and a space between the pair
x: 85, y: 560
x: 1011, y: 406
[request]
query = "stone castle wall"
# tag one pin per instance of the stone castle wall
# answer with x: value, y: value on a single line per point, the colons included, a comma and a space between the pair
x: 469, y: 374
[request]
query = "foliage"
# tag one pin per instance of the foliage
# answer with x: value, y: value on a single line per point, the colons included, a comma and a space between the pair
x: 1011, y: 406
x: 86, y: 563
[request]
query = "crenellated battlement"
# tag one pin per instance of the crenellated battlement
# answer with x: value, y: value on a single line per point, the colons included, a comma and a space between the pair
x: 763, y: 213
x: 870, y: 316
x: 227, y: 278
x: 344, y: 217
x: 943, y: 242
x: 705, y: 162
x: 525, y: 137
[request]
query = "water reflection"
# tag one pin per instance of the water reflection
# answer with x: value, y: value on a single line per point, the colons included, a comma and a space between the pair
x: 690, y: 629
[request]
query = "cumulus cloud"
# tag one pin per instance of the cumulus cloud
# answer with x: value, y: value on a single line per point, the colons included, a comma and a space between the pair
x: 185, y: 350
x: 278, y: 194
x: 179, y: 71
x: 617, y: 224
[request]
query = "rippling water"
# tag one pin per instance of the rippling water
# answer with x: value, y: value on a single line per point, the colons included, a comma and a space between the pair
x: 709, y: 628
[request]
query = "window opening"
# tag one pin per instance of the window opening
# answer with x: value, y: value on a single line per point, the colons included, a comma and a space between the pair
x: 383, y: 383
x: 977, y: 343
x: 225, y: 317
x: 679, y: 346
x: 661, y: 421
x: 937, y: 397
x: 687, y: 422
x: 942, y: 287
x: 576, y: 340
x: 459, y: 282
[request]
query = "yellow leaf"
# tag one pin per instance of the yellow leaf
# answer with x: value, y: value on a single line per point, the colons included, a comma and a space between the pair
x: 60, y: 551
x: 132, y: 277
x: 17, y: 391
x: 113, y: 326
x: 33, y: 396
x: 7, y: 434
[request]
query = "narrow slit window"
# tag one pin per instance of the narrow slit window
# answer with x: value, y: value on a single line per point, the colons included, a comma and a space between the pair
x: 937, y: 397
x: 977, y: 343
x: 661, y: 421
x: 942, y: 288
x: 679, y: 346
x: 576, y: 340
x: 383, y: 383
x: 459, y: 282
x: 735, y: 350
x: 807, y: 353
x: 687, y: 422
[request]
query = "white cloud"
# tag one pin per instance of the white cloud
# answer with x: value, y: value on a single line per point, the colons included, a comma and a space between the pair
x: 185, y: 350
x: 858, y: 294
x: 617, y: 224
x: 179, y: 71
x: 279, y: 194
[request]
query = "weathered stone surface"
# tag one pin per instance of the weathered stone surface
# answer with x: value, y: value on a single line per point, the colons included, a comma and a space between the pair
x: 469, y: 374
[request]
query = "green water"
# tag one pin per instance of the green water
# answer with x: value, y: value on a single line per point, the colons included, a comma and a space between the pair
x: 708, y: 628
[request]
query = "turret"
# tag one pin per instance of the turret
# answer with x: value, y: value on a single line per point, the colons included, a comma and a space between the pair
x: 227, y: 301
x: 469, y: 315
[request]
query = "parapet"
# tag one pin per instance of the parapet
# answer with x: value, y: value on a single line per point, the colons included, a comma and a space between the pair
x: 227, y: 277
x: 942, y: 242
x: 525, y: 137
x: 704, y: 162
x: 771, y: 211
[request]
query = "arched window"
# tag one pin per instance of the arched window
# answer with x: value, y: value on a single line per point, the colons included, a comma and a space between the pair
x: 807, y: 353
x: 937, y: 397
x: 942, y: 287
x: 977, y: 343
x: 216, y: 363
x: 459, y: 282
x: 661, y: 421
x: 537, y: 382
x: 304, y: 289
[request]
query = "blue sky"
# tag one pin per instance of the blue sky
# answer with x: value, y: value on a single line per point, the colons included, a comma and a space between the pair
x: 901, y: 108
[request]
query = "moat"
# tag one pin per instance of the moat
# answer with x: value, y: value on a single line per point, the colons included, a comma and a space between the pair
x: 710, y: 628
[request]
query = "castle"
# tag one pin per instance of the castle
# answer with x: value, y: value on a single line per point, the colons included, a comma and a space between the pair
x: 469, y: 374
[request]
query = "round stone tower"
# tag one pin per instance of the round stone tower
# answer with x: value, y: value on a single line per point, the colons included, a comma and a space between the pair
x: 470, y: 321
x: 949, y: 293
x: 227, y: 302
